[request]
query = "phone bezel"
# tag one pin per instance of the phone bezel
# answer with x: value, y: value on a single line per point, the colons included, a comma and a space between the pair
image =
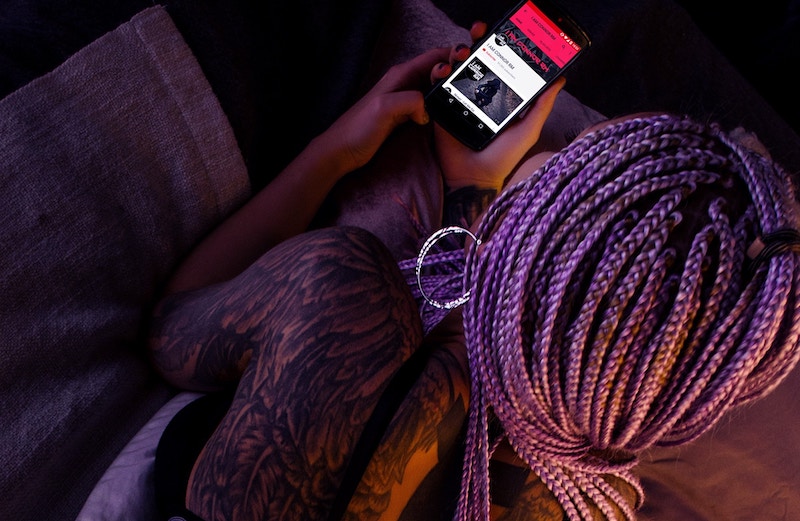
x: 459, y: 126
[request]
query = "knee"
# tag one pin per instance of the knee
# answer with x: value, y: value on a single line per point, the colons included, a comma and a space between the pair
x: 347, y: 268
x: 347, y: 243
x: 340, y: 254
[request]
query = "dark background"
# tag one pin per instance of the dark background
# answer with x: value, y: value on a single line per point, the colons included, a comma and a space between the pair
x: 761, y: 39
x: 229, y: 38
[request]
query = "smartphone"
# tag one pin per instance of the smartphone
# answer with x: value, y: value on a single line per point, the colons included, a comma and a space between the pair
x: 527, y: 50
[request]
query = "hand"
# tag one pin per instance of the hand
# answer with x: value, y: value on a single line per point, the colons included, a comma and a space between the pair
x: 396, y: 98
x: 489, y: 168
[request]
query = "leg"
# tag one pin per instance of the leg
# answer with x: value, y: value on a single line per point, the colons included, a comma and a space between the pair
x: 319, y: 325
x: 415, y: 471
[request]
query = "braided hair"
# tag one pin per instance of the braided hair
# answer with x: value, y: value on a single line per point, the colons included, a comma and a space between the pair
x: 614, y: 306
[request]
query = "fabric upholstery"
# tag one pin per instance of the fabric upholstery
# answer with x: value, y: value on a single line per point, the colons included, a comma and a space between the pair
x: 111, y: 167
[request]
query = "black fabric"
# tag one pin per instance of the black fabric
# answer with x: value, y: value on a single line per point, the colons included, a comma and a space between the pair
x: 178, y: 449
x: 506, y: 482
x: 763, y: 41
x: 38, y: 35
x: 650, y: 55
x: 283, y: 71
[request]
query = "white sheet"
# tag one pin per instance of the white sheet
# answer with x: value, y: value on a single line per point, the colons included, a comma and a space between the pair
x: 125, y: 492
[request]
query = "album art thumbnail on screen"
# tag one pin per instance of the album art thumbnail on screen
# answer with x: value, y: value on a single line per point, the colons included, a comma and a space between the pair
x: 482, y: 86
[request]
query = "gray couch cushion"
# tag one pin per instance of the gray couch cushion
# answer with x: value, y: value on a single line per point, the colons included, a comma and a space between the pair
x: 111, y: 167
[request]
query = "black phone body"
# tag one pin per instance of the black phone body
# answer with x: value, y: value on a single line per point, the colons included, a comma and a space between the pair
x: 527, y: 50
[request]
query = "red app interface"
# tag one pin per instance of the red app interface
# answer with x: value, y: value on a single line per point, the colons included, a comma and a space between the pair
x: 510, y: 67
x: 545, y: 34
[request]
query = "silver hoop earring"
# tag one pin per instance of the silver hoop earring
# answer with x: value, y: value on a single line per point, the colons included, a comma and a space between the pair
x: 439, y: 234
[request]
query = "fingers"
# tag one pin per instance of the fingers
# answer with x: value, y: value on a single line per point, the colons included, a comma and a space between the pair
x: 432, y: 65
x: 398, y: 107
x: 543, y: 105
x: 410, y: 105
x: 477, y: 31
x: 440, y: 71
x: 413, y: 73
x: 459, y: 53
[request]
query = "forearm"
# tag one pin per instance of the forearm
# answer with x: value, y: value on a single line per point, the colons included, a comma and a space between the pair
x: 283, y: 209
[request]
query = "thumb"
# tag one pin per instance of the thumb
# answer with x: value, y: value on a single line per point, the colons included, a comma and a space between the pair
x: 526, y: 132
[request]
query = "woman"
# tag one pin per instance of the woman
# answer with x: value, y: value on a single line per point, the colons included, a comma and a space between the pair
x: 375, y: 313
x: 606, y: 302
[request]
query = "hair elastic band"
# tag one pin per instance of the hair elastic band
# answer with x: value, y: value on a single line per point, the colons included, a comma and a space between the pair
x: 772, y: 244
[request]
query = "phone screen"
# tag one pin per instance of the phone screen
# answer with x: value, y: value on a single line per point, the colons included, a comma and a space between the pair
x: 521, y: 56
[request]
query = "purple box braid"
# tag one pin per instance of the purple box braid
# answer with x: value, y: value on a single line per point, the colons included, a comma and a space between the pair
x: 614, y: 306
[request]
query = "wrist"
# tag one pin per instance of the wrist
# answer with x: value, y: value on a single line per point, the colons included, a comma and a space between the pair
x: 328, y: 156
x: 463, y: 206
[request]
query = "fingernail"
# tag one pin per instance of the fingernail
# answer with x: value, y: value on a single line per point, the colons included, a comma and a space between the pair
x: 460, y: 47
